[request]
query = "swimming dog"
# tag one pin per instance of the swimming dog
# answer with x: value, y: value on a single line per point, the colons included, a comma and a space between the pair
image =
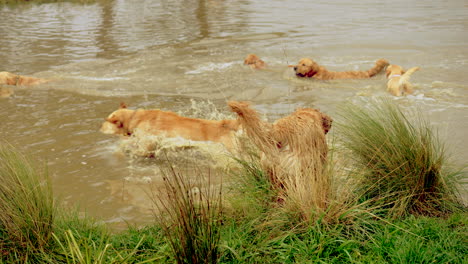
x: 254, y: 62
x: 125, y: 122
x: 398, y: 80
x: 9, y: 78
x: 309, y: 68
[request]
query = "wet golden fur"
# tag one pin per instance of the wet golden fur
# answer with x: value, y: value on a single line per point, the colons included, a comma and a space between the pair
x: 157, y: 122
x: 254, y: 62
x: 309, y: 68
x: 292, y: 144
x: 9, y: 78
x: 398, y: 80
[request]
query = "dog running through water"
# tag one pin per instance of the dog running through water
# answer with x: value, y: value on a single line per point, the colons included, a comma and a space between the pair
x: 125, y: 122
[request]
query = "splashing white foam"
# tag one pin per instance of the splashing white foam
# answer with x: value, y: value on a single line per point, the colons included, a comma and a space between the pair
x: 206, y: 110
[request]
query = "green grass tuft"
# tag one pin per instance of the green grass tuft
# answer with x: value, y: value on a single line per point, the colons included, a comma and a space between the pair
x: 190, y: 213
x: 401, y: 163
x: 26, y: 204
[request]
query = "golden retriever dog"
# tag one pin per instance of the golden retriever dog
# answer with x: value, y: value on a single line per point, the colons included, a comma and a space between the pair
x: 254, y: 62
x: 293, y: 144
x: 9, y: 78
x: 398, y: 80
x: 157, y: 122
x: 309, y: 68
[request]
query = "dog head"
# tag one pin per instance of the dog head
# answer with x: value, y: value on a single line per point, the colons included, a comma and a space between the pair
x: 254, y: 61
x: 8, y: 78
x: 393, y: 69
x: 118, y: 121
x: 251, y: 59
x: 323, y: 119
x: 306, y: 68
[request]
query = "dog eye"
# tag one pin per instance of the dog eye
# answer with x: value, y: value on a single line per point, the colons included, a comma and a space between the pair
x: 303, y: 64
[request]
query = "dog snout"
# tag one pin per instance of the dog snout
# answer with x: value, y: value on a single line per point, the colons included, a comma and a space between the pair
x: 295, y: 68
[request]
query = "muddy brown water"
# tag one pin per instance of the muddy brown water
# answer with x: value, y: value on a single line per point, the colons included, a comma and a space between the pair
x: 187, y: 57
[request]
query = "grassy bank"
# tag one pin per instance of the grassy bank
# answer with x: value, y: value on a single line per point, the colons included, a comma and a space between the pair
x: 394, y: 202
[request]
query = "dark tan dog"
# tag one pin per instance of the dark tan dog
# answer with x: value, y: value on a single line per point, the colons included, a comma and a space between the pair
x: 398, y: 80
x: 292, y: 144
x: 156, y: 122
x: 9, y: 78
x: 309, y: 68
x: 254, y: 62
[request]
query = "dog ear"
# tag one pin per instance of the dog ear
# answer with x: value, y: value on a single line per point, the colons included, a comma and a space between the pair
x: 123, y: 105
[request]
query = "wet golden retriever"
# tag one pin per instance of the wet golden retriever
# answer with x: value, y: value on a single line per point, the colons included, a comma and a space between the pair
x: 309, y: 68
x: 291, y: 144
x: 254, y: 62
x: 125, y: 122
x: 398, y: 80
x: 9, y: 78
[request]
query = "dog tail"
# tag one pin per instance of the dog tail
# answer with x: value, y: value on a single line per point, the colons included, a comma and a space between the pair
x: 257, y: 130
x: 407, y: 75
x: 379, y: 66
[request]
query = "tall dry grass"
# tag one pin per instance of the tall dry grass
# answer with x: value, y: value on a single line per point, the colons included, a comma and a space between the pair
x: 190, y: 214
x: 27, y: 208
x: 401, y: 162
x: 306, y: 181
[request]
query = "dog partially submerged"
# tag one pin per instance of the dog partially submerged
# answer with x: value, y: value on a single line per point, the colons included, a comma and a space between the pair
x: 254, y: 62
x: 309, y: 68
x: 292, y: 145
x: 126, y: 122
x: 398, y: 80
x: 9, y: 78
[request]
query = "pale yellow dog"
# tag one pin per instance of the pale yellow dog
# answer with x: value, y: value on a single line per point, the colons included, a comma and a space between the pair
x: 398, y: 80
